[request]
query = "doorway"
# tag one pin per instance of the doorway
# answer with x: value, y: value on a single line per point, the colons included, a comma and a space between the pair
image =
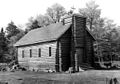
x: 79, y: 57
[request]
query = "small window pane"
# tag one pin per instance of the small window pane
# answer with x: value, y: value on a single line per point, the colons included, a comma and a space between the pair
x: 39, y: 52
x: 22, y: 53
x: 30, y: 53
x: 49, y: 51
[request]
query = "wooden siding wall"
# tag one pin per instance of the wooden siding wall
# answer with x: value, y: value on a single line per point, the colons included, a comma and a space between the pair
x: 65, y: 50
x: 89, y: 49
x: 43, y: 62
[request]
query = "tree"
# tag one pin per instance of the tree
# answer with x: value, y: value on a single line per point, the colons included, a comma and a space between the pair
x: 108, y: 43
x: 11, y: 30
x: 92, y: 13
x: 55, y: 12
x: 105, y: 31
x: 12, y: 41
x: 32, y: 24
x: 98, y: 29
x: 13, y: 35
x: 53, y: 15
x: 38, y: 22
x: 44, y: 20
x: 3, y: 47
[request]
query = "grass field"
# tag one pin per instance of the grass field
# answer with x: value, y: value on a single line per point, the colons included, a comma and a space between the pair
x: 86, y: 77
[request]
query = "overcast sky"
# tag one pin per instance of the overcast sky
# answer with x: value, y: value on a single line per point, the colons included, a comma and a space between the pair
x: 20, y: 10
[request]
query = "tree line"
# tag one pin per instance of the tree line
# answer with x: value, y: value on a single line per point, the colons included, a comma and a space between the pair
x: 107, y: 34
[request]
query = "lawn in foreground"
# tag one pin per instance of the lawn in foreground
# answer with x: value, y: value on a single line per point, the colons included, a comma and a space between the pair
x: 86, y: 77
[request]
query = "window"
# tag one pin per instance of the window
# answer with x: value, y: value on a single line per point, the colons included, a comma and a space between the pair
x: 22, y: 53
x: 49, y: 51
x: 30, y: 53
x: 39, y: 52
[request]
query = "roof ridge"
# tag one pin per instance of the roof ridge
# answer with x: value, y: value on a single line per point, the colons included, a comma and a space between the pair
x: 45, y: 26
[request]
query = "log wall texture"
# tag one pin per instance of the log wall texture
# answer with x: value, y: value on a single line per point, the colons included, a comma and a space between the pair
x: 79, y: 31
x: 65, y: 50
x: 45, y: 61
x: 89, y: 49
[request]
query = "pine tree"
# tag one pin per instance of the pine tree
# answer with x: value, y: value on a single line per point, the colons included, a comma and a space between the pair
x: 34, y: 25
x: 3, y: 46
x: 12, y: 30
x: 13, y: 35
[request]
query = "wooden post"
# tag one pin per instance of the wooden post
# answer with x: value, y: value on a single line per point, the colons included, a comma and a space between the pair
x: 60, y: 59
x: 74, y: 41
x: 72, y: 46
x: 76, y: 61
x: 85, y: 50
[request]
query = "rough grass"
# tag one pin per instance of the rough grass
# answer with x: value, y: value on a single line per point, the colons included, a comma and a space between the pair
x: 86, y: 77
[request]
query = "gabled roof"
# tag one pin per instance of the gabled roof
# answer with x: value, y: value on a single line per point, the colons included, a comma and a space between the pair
x: 88, y: 29
x: 44, y: 34
x: 90, y: 33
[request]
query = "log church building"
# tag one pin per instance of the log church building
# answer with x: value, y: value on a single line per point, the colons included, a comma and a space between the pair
x: 58, y: 46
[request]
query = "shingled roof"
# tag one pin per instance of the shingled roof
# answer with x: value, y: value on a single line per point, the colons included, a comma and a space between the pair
x: 44, y: 34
